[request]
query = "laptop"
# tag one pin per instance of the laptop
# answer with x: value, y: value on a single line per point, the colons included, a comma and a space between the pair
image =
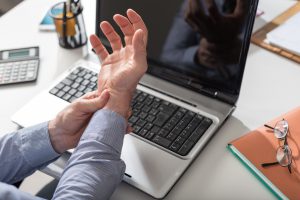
x: 191, y: 87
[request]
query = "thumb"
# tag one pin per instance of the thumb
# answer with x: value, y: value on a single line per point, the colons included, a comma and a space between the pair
x: 94, y: 104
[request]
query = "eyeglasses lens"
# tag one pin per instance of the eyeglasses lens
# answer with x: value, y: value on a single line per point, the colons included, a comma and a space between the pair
x: 281, y: 129
x: 284, y: 155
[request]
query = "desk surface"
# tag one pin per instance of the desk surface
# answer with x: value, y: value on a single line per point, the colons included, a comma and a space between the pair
x: 269, y: 88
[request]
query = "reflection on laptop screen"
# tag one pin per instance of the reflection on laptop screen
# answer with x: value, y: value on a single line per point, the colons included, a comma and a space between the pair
x: 192, y: 43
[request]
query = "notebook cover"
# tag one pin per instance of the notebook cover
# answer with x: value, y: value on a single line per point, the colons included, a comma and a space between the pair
x: 259, y: 146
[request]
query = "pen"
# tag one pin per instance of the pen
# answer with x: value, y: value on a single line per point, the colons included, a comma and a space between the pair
x: 64, y: 23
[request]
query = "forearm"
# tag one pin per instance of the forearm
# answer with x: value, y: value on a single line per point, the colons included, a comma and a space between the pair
x: 24, y: 151
x: 95, y: 168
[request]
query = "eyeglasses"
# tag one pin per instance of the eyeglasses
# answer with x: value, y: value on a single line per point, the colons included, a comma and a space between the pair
x: 283, y: 153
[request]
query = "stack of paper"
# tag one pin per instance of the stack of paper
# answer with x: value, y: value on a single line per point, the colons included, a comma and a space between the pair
x: 287, y: 35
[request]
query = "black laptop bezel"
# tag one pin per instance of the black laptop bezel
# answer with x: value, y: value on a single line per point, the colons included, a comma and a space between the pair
x: 227, y: 97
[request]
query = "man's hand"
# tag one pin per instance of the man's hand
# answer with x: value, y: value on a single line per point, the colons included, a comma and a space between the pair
x: 216, y: 27
x: 121, y: 71
x: 67, y: 127
x: 219, y: 42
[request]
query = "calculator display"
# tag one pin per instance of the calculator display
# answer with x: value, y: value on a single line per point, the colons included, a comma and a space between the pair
x: 22, y: 53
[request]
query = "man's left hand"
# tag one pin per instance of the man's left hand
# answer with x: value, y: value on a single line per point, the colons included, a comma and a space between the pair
x: 67, y: 127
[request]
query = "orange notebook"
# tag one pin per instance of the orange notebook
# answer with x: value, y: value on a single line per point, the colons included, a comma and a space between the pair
x: 260, y: 146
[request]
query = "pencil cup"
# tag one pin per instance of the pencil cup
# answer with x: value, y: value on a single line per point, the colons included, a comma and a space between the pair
x: 69, y: 25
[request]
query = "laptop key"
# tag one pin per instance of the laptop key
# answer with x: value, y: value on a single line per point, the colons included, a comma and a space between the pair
x: 143, y: 132
x: 142, y: 97
x: 146, y: 108
x: 150, y: 118
x: 141, y: 122
x: 186, y: 147
x: 175, y: 146
x: 149, y: 135
x: 161, y: 141
x: 133, y: 119
x: 166, y: 109
x: 153, y: 111
x: 155, y: 129
x: 148, y: 126
x: 136, y: 129
x: 143, y: 115
x: 203, y: 126
x: 163, y: 133
x: 161, y: 118
x: 172, y: 136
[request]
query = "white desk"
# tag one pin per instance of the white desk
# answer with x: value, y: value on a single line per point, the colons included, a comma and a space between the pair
x: 270, y: 88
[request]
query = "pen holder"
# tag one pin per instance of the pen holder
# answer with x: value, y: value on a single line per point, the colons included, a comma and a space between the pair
x: 69, y: 25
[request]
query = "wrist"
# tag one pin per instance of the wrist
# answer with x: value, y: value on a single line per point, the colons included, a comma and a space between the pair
x: 55, y: 137
x: 119, y: 102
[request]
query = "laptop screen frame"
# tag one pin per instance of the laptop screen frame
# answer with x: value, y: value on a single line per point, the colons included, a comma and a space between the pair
x: 227, y: 97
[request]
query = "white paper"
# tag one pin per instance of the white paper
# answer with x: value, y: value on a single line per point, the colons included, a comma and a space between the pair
x: 287, y: 35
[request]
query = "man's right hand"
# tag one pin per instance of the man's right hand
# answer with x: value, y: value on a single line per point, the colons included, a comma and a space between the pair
x: 121, y: 71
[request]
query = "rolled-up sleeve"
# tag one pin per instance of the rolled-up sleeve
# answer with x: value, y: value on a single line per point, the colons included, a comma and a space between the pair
x: 95, y: 168
x: 24, y: 151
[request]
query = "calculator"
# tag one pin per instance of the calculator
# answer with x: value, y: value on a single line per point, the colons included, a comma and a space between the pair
x: 19, y: 65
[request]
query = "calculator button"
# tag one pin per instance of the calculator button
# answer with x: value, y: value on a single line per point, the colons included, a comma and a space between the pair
x: 72, y: 99
x: 30, y: 75
x: 60, y: 86
x: 66, y: 97
x: 66, y: 88
x: 60, y: 94
x: 54, y: 91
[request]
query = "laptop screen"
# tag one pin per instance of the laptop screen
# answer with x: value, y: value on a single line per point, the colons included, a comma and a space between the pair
x: 198, y: 44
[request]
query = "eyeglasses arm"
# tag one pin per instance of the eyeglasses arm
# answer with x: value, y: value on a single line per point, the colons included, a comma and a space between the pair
x: 269, y: 164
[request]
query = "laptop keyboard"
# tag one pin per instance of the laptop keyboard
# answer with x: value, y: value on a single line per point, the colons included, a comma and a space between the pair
x: 164, y: 123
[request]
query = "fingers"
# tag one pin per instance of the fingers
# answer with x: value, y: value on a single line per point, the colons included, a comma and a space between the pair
x: 240, y: 8
x: 195, y: 15
x: 139, y: 49
x: 213, y: 10
x: 112, y: 36
x: 126, y: 27
x: 129, y: 129
x: 98, y: 47
x: 93, y: 104
x: 197, y: 18
x: 90, y: 95
x: 138, y: 23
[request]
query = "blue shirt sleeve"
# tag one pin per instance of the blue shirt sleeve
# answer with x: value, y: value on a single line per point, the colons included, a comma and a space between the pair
x: 95, y: 168
x: 10, y: 192
x: 24, y: 151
